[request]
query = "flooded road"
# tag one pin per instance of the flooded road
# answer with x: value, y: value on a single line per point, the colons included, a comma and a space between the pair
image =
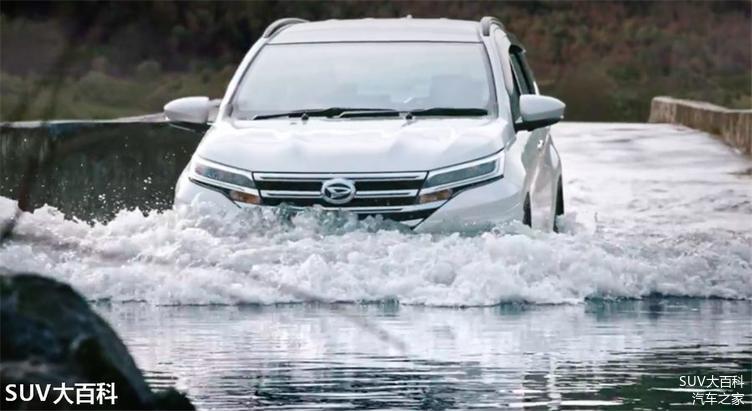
x: 601, y: 354
x: 657, y: 221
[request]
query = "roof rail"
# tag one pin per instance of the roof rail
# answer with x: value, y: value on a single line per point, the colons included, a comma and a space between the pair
x: 486, y: 23
x: 281, y: 24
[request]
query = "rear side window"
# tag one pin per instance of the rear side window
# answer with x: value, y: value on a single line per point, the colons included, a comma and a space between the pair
x: 528, y: 73
x: 520, y: 85
x: 523, y: 82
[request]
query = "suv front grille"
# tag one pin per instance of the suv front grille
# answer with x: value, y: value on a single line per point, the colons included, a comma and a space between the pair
x: 393, y: 195
x: 360, y: 185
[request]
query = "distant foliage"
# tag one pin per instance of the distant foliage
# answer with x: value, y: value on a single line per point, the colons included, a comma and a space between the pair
x: 605, y: 59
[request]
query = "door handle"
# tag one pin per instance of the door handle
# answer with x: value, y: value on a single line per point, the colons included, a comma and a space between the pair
x: 541, y: 142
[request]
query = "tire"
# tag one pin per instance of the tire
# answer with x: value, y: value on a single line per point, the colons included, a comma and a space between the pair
x: 559, y: 204
x: 526, y: 216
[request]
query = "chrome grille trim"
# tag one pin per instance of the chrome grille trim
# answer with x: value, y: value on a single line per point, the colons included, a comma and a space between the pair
x: 373, y: 187
x: 409, y: 176
x: 393, y: 209
x: 386, y: 193
x: 359, y: 194
x: 392, y: 195
x: 290, y: 194
x: 371, y: 210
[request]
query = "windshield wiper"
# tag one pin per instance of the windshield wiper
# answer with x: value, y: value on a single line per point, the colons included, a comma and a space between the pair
x: 343, y: 112
x: 371, y: 112
x: 448, y: 111
x: 328, y: 112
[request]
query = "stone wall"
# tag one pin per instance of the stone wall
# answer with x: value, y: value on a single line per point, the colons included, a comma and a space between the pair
x: 113, y: 165
x: 732, y: 126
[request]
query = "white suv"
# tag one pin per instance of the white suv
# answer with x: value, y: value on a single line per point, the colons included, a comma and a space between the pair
x: 434, y: 123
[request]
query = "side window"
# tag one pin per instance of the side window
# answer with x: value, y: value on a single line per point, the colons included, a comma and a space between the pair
x: 520, y: 83
x: 528, y: 74
x: 523, y: 84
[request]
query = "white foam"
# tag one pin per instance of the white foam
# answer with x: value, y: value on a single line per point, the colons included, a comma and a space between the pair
x: 195, y: 257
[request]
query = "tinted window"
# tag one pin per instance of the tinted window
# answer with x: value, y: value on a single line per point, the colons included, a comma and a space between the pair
x: 528, y: 73
x: 400, y: 76
x: 523, y: 83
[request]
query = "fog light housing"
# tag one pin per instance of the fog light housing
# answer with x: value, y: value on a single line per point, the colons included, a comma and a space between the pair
x: 437, y: 196
x: 242, y: 197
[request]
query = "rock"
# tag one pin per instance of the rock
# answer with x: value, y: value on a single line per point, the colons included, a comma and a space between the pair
x: 50, y: 335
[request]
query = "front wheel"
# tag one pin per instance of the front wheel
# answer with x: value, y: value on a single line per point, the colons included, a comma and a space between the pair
x: 559, y: 205
x: 526, y: 216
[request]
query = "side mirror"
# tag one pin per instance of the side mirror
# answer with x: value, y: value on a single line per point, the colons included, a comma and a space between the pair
x: 539, y: 111
x: 194, y: 110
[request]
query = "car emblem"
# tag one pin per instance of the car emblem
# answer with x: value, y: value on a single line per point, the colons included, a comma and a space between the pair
x: 338, y: 191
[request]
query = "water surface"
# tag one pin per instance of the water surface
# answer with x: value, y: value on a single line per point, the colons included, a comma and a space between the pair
x: 602, y: 354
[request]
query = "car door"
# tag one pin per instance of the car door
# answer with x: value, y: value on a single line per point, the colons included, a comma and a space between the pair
x: 523, y: 145
x: 544, y: 185
x: 535, y: 147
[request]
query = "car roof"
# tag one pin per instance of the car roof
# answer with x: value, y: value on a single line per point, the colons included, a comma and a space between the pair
x: 370, y: 29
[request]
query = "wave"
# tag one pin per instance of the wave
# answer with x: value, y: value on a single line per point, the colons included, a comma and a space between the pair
x: 196, y: 256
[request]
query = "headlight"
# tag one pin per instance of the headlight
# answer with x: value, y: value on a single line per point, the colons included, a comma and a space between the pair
x: 236, y: 184
x: 222, y: 176
x: 441, y: 183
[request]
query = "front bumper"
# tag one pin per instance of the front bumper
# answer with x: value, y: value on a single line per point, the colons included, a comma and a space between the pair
x: 477, y: 207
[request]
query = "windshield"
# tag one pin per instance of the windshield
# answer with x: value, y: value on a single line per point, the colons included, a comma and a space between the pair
x: 403, y: 76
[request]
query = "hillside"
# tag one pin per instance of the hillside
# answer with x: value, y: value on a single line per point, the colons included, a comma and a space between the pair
x: 605, y: 59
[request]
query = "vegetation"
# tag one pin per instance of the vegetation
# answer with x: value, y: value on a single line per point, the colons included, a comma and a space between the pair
x: 604, y: 59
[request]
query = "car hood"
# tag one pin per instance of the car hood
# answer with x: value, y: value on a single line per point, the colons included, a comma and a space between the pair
x: 324, y: 145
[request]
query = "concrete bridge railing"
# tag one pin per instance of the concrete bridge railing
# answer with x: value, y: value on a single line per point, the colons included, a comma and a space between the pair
x: 732, y: 126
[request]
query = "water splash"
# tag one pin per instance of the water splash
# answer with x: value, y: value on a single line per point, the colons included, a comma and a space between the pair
x: 196, y: 256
